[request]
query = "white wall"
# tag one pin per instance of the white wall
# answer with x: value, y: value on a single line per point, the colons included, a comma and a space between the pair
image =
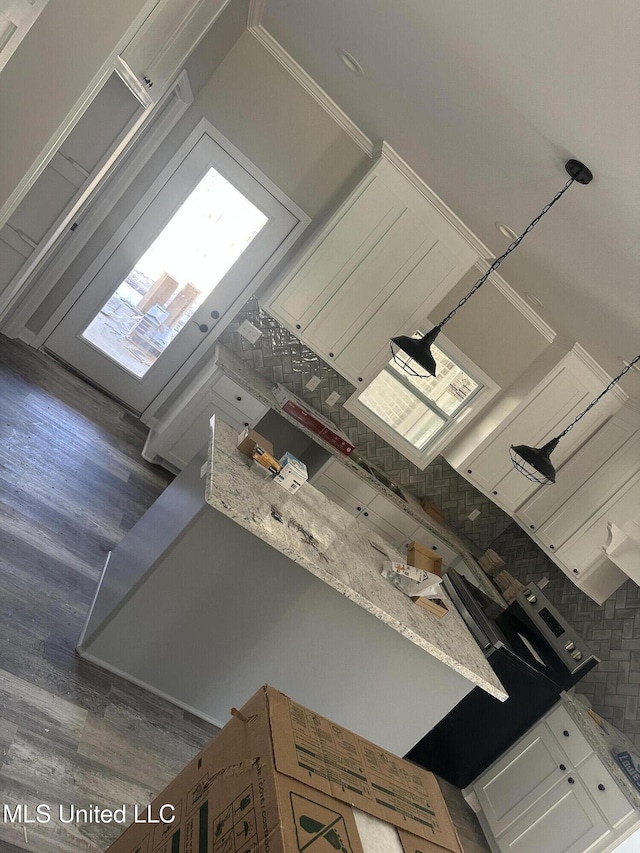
x: 490, y: 330
x: 280, y: 127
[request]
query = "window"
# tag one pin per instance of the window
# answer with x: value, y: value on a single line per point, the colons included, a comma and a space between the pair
x: 419, y: 416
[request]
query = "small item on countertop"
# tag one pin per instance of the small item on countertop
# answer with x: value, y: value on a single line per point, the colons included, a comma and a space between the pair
x: 292, y: 474
x: 249, y: 438
x: 596, y: 718
x: 491, y: 562
x: 509, y: 586
x: 266, y: 460
x: 421, y: 557
x: 313, y: 420
x: 422, y: 587
x: 432, y: 509
x: 630, y: 763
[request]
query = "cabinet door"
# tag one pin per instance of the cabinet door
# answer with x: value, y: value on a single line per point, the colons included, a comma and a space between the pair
x: 520, y: 778
x: 361, y: 493
x: 564, y: 393
x: 549, y: 511
x: 586, y: 544
x: 378, y: 267
x: 565, y: 820
x: 605, y: 792
x: 572, y: 742
x: 160, y: 47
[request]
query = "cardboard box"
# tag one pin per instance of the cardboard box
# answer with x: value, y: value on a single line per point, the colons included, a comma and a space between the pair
x: 279, y: 778
x: 292, y: 474
x: 421, y: 557
x: 313, y: 420
x: 437, y: 606
x: 249, y: 438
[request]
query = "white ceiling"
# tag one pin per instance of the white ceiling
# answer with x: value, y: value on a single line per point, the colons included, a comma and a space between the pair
x: 486, y: 101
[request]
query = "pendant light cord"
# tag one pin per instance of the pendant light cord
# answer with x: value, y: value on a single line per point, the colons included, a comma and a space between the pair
x: 494, y: 266
x: 599, y: 397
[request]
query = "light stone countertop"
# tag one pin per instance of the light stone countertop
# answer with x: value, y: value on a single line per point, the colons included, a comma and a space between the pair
x: 341, y: 550
x: 256, y: 385
x: 602, y: 739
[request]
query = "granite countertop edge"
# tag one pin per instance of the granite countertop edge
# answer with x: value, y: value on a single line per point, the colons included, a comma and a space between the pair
x: 255, y: 384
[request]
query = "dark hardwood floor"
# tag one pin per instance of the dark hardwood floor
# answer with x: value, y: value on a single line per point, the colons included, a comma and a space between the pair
x: 72, y: 483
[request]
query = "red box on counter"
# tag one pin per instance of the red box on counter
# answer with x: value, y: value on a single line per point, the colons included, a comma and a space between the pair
x: 313, y: 420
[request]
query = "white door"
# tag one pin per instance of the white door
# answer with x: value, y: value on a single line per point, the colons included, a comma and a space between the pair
x: 190, y: 250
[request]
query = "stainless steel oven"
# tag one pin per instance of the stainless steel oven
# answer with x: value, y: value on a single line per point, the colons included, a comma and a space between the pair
x: 534, y: 653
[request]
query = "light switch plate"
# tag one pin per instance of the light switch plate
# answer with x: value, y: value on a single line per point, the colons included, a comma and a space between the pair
x: 333, y: 398
x: 313, y: 383
x: 473, y: 514
x: 249, y: 332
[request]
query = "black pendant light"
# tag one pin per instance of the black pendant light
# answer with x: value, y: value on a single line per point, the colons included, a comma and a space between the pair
x: 534, y: 462
x: 417, y: 351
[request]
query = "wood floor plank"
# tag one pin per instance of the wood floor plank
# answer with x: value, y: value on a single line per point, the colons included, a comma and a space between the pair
x: 72, y: 482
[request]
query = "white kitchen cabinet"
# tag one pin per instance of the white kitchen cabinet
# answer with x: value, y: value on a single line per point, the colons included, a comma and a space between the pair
x: 551, y: 512
x: 374, y: 271
x: 563, y: 821
x: 520, y: 778
x: 180, y: 432
x: 550, y: 792
x: 546, y: 411
x: 160, y: 47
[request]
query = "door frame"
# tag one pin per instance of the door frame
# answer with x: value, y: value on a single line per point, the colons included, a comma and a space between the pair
x: 203, y: 128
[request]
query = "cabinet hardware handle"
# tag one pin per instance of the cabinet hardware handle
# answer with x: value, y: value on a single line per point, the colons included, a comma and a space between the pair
x: 359, y: 378
x: 330, y: 355
x: 552, y: 547
x: 576, y: 572
x: 238, y: 399
x: 565, y: 733
x: 298, y: 326
x: 434, y: 547
x: 246, y: 423
x: 359, y: 508
x: 563, y: 767
x: 532, y: 526
x: 202, y: 326
x: 148, y: 82
x: 571, y: 780
x: 469, y: 471
x: 601, y: 787
x: 215, y: 315
x: 495, y: 493
x: 366, y: 514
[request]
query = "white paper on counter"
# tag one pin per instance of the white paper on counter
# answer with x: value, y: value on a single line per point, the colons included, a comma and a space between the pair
x: 412, y: 581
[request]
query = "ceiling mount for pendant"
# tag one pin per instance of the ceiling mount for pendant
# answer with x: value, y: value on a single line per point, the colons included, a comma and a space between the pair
x: 413, y: 354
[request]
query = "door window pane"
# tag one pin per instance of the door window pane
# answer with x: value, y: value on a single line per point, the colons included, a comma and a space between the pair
x: 180, y: 269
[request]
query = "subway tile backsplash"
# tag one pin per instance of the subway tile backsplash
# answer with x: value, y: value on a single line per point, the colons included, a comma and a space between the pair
x: 280, y: 357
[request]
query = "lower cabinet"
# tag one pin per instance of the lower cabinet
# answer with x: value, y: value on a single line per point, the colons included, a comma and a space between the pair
x: 184, y: 428
x: 361, y: 500
x: 552, y: 793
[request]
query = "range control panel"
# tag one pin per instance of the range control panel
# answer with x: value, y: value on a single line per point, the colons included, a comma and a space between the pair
x: 567, y: 644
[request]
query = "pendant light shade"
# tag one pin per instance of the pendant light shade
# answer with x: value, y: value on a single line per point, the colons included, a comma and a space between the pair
x: 534, y: 462
x: 418, y: 350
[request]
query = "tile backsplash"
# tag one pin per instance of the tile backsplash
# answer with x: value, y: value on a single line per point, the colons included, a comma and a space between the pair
x: 280, y: 357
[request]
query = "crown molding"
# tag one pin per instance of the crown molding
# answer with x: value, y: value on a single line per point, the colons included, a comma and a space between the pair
x: 309, y: 84
x: 598, y: 371
x: 256, y: 11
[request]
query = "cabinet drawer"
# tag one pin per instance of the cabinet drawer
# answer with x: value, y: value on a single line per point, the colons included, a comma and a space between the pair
x: 392, y: 514
x: 336, y: 494
x: 239, y: 399
x: 568, y: 735
x: 606, y: 794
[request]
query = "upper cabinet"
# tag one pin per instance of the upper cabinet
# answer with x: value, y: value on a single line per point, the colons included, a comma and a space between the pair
x: 375, y: 270
x: 543, y: 413
x: 160, y: 47
x: 16, y: 18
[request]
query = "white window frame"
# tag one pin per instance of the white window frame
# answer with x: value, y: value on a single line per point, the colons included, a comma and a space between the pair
x: 457, y: 422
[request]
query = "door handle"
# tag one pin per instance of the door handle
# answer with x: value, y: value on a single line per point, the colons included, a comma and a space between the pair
x: 202, y: 326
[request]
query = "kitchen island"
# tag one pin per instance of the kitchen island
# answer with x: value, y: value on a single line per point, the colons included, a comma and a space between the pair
x: 226, y: 584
